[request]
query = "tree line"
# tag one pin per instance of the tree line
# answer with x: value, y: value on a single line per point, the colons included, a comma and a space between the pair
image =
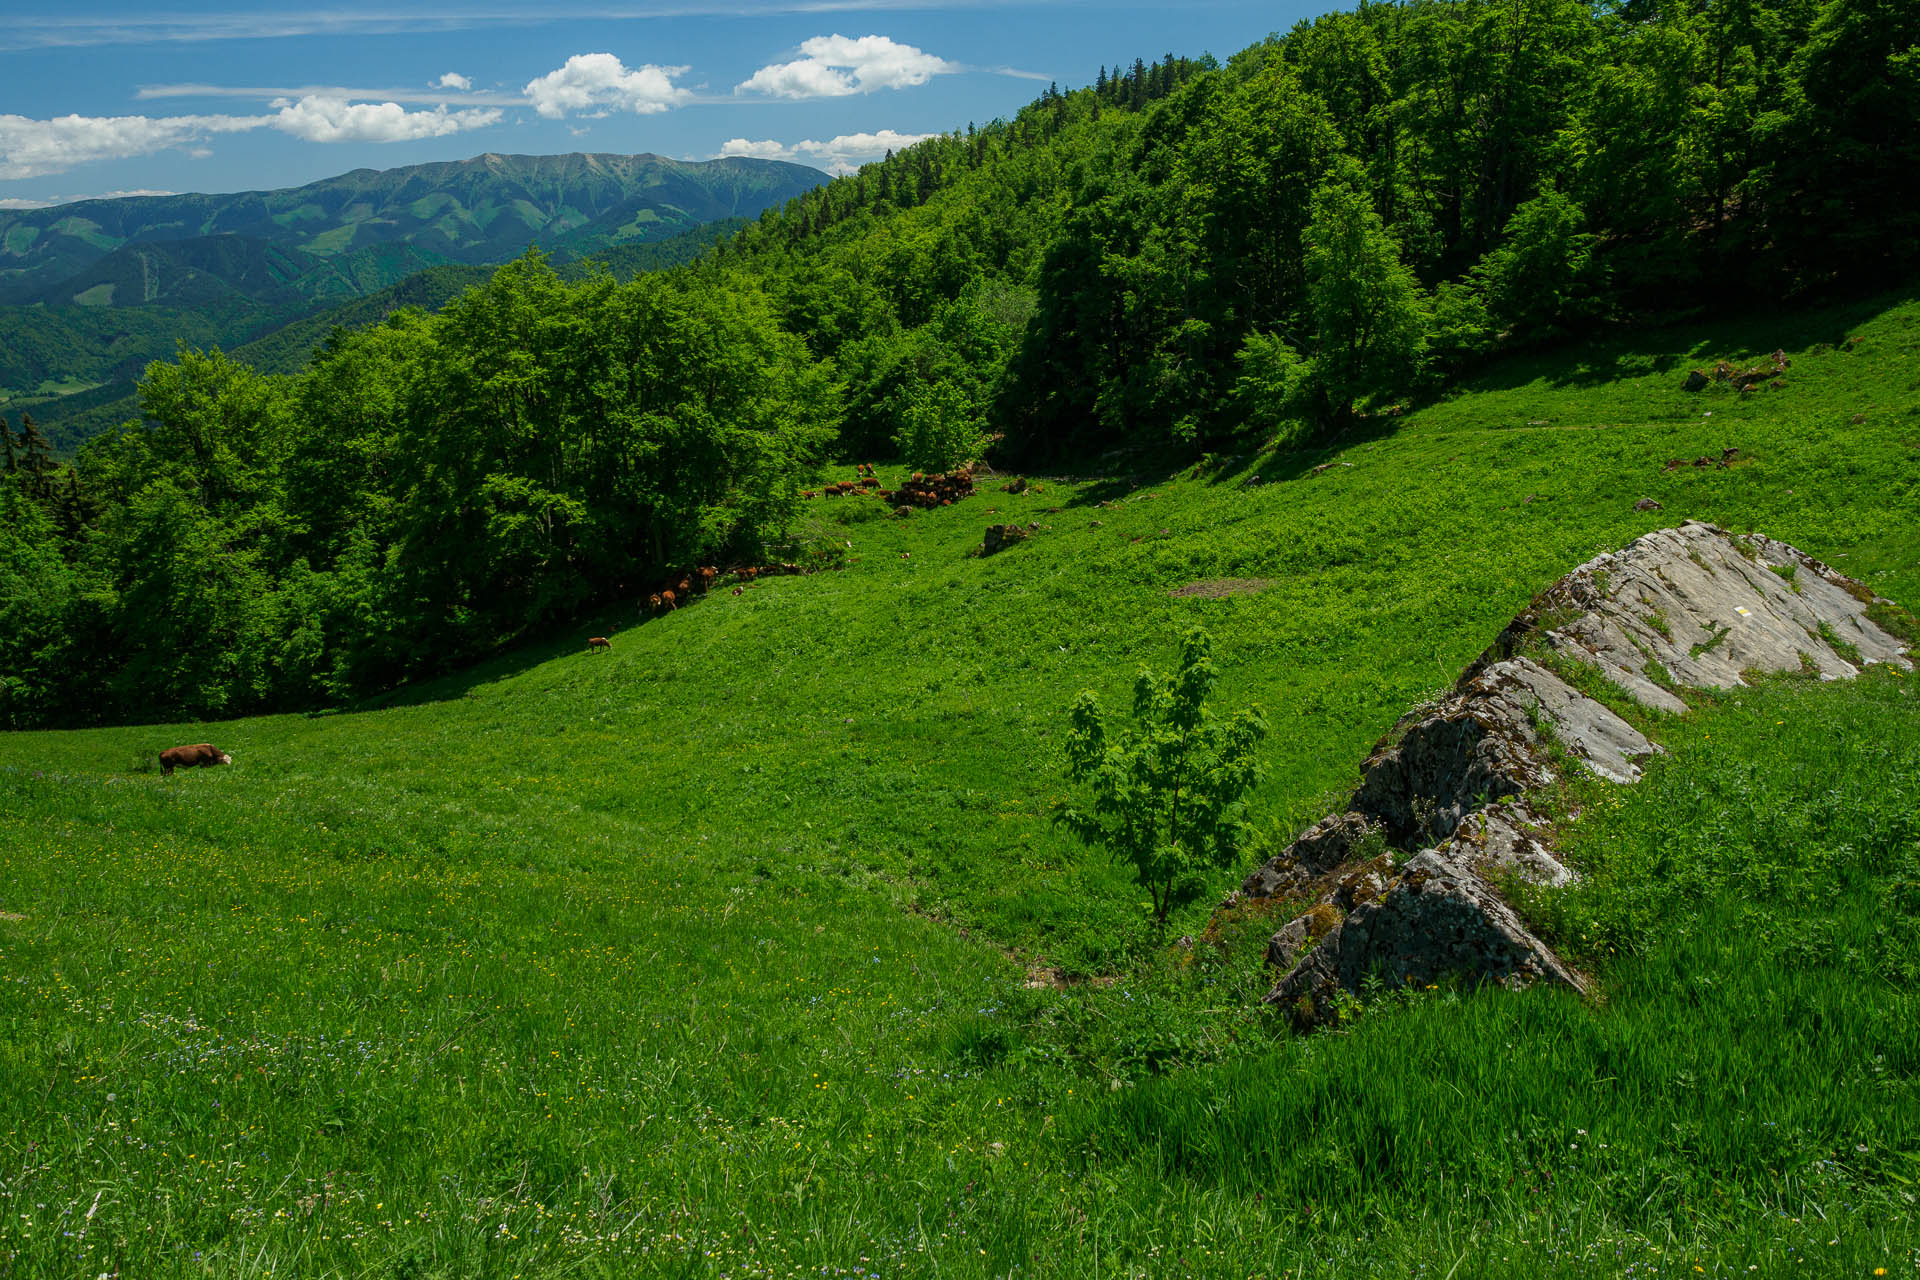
x: 1180, y: 254
x: 429, y: 489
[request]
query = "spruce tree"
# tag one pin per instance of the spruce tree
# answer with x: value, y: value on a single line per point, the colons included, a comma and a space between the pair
x: 7, y: 455
x: 69, y: 512
x: 36, y: 460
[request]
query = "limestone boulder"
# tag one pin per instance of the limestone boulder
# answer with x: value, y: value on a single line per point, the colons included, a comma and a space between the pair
x: 1450, y: 788
x: 1325, y: 845
x: 1439, y: 922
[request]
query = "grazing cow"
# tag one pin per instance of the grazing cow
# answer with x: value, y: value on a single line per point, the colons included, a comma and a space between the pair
x: 193, y: 757
x: 666, y: 600
x: 598, y: 642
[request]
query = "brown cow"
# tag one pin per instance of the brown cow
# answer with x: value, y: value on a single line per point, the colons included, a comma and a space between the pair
x: 598, y: 642
x: 193, y: 757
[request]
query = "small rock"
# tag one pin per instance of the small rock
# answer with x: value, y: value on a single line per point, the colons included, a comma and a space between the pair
x: 1696, y: 381
x: 1284, y: 947
x: 1858, y: 418
x: 1000, y: 537
x: 1646, y: 504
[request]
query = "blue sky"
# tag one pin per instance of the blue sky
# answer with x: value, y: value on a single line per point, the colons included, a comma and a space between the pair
x: 99, y: 98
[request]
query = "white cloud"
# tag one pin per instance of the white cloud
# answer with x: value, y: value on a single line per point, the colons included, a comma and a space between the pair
x: 838, y: 155
x: 597, y: 83
x: 358, y: 93
x: 33, y: 148
x: 20, y: 202
x: 454, y: 80
x: 324, y: 119
x: 167, y: 23
x: 767, y: 150
x: 835, y: 66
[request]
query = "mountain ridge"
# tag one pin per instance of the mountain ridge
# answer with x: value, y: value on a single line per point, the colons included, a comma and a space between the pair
x: 483, y: 209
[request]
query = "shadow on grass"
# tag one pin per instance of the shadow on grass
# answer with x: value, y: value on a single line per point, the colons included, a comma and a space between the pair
x: 612, y: 619
x: 1577, y: 363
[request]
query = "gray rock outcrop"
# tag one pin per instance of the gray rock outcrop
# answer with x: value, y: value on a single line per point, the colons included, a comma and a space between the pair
x: 1693, y: 607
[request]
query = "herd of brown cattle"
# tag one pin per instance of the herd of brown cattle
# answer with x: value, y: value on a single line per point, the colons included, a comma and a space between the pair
x: 939, y: 489
x: 682, y: 589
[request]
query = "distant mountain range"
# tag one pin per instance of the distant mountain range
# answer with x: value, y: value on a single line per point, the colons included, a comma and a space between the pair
x: 322, y: 239
x: 90, y: 292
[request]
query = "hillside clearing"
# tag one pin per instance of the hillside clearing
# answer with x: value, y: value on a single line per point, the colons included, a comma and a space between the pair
x: 689, y: 958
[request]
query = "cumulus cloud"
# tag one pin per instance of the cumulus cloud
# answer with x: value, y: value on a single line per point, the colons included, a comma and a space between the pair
x: 454, y: 80
x: 838, y: 155
x: 33, y: 148
x: 598, y: 83
x: 324, y: 119
x: 835, y: 66
x: 766, y: 150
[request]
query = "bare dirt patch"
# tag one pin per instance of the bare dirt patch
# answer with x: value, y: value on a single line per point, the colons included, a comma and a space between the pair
x: 1221, y: 588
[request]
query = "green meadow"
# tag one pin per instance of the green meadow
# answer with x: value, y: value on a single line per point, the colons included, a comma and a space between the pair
x: 749, y: 948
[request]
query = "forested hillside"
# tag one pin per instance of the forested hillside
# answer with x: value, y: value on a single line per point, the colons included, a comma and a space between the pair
x: 1183, y: 257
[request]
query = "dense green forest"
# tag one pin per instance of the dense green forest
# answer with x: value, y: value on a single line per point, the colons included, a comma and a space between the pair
x: 1181, y: 255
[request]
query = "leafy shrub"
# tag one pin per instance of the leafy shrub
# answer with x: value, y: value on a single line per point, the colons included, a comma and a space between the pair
x: 1167, y: 793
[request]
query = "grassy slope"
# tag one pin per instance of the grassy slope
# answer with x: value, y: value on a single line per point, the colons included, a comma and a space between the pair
x: 696, y: 950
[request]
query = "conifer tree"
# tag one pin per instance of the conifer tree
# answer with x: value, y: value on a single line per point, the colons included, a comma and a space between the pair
x: 36, y: 459
x: 69, y: 511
